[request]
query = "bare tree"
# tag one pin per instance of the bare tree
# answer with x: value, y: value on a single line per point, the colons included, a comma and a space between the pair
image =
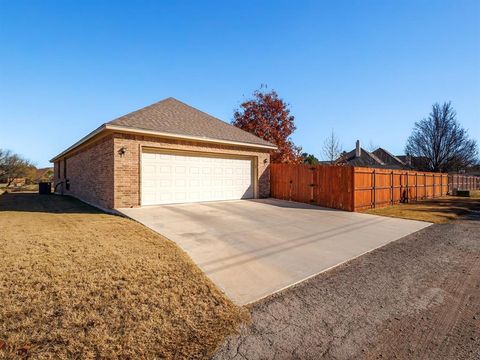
x: 12, y: 166
x: 441, y: 141
x: 331, y: 148
x: 372, y: 146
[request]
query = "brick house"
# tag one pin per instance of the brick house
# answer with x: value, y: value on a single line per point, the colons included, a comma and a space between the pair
x: 165, y: 153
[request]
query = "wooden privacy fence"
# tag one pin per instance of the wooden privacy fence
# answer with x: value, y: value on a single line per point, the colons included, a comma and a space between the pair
x: 353, y: 188
x: 382, y: 187
x: 463, y: 182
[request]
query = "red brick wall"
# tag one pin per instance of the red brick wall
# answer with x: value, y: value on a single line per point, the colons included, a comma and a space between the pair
x: 90, y: 173
x: 127, y: 167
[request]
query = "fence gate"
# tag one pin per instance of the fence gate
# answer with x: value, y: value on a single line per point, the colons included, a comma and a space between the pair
x: 329, y: 186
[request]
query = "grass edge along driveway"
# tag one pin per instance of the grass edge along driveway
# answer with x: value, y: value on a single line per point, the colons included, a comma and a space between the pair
x: 78, y: 283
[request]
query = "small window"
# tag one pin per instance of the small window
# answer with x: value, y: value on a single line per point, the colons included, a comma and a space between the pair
x: 65, y: 168
x: 58, y: 169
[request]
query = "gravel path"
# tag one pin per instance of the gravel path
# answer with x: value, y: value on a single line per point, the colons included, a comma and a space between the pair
x: 418, y: 297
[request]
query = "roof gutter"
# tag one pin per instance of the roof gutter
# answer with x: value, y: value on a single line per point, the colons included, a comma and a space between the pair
x: 80, y: 142
x: 126, y: 129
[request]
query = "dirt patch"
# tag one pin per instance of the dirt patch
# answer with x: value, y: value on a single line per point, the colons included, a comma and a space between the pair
x: 418, y: 297
x: 78, y: 283
x: 440, y: 210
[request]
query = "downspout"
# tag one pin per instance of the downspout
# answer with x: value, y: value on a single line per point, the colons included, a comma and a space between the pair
x: 55, y: 188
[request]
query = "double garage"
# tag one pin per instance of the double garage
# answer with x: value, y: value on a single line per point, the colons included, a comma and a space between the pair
x: 173, y: 177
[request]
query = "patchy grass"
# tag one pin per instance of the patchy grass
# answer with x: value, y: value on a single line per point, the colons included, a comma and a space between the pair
x: 78, y: 283
x: 438, y: 210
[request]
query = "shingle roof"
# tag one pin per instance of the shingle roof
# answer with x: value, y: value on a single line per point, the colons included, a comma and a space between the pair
x: 415, y: 162
x: 366, y: 159
x: 174, y: 117
x: 388, y: 158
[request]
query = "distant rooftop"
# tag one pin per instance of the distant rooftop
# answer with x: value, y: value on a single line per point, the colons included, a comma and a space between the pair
x: 380, y: 158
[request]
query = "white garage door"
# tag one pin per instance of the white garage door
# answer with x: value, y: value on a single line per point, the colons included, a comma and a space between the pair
x: 176, y: 178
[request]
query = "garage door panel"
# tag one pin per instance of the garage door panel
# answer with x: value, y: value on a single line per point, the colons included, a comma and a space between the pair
x: 148, y: 156
x: 176, y: 178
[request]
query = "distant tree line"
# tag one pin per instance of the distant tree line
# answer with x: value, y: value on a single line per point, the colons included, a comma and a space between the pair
x: 14, y: 166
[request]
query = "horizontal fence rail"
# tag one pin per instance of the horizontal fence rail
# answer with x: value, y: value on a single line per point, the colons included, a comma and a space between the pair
x: 356, y: 188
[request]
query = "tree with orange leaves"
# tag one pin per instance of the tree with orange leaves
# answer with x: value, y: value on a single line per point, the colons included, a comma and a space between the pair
x: 267, y: 116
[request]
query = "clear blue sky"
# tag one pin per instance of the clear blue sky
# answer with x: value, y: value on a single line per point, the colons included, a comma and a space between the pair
x: 368, y: 69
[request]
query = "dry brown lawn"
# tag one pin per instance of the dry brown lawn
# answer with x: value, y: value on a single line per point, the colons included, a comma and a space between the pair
x: 78, y: 283
x: 438, y: 210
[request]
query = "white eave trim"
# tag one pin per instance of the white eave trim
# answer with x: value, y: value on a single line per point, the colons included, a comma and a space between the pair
x: 80, y: 142
x: 126, y: 129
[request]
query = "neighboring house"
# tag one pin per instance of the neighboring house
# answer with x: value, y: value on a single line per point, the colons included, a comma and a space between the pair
x: 43, y: 174
x: 389, y: 160
x: 415, y: 162
x: 360, y: 157
x: 472, y: 170
x: 383, y: 159
x: 167, y: 152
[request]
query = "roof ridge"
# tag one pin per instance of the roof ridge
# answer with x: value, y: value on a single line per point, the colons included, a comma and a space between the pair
x: 141, y: 109
x: 374, y: 157
x: 393, y: 156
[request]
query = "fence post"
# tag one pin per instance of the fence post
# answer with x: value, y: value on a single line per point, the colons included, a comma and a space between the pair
x: 374, y: 189
x: 290, y: 188
x: 416, y: 186
x: 312, y: 183
x: 407, y: 197
x: 391, y: 187
x: 433, y: 182
x: 424, y: 185
x: 354, y: 190
x: 401, y: 188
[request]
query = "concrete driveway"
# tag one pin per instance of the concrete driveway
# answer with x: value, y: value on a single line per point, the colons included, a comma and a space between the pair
x: 253, y: 248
